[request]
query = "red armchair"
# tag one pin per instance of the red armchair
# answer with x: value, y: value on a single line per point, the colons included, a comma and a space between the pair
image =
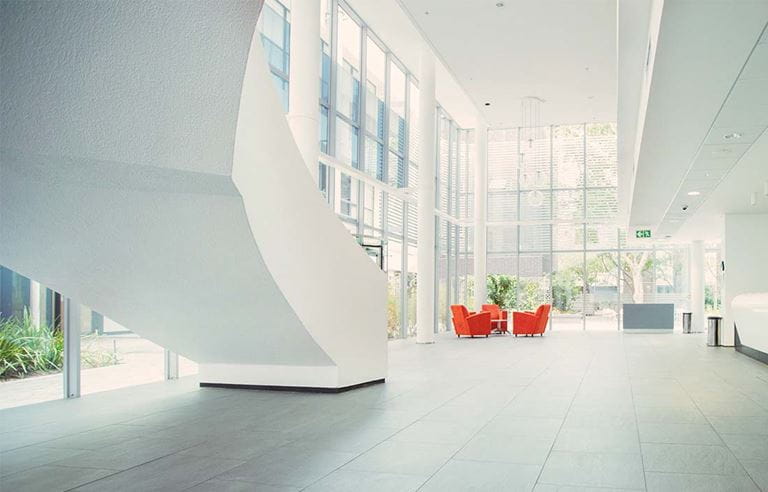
x: 497, y: 314
x: 528, y: 323
x: 470, y: 324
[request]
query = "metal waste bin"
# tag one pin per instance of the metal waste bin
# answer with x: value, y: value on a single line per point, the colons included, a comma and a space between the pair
x: 686, y: 322
x: 713, y: 330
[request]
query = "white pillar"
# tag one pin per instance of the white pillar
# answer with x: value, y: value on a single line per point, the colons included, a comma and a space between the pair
x: 698, y: 318
x: 71, y: 370
x: 171, y: 364
x: 425, y: 293
x: 304, y: 86
x: 34, y: 302
x: 481, y: 212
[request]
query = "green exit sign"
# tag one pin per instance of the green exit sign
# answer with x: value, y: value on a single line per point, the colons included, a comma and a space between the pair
x: 643, y: 233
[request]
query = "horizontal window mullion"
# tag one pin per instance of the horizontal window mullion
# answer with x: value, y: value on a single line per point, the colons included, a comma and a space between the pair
x: 347, y: 120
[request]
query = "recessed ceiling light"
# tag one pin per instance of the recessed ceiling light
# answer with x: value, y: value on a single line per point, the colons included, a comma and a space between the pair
x: 722, y: 151
x: 694, y: 193
x: 732, y: 136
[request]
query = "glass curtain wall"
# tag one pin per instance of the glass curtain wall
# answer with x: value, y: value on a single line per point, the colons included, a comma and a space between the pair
x: 713, y: 280
x: 552, y: 234
x: 453, y: 196
x: 32, y: 347
x: 369, y: 129
x: 274, y: 25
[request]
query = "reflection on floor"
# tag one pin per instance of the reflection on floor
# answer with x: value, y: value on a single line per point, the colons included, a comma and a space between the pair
x: 589, y: 409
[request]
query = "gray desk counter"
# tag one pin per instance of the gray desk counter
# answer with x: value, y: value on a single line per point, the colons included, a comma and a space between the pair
x: 649, y: 317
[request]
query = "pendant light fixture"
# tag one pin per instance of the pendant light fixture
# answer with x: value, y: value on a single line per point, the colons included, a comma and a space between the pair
x: 530, y: 130
x: 530, y: 119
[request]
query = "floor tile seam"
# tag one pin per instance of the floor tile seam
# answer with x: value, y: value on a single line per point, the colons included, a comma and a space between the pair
x: 729, y: 385
x: 353, y: 458
x: 495, y: 415
x: 85, y: 466
x: 682, y: 443
x: 706, y: 417
x: 634, y: 410
x: 422, y: 477
x: 590, y: 486
x: 663, y: 472
x: 625, y: 453
x: 9, y: 475
x: 447, y: 402
x: 498, y: 462
x: 56, y: 439
x: 115, y: 472
x: 560, y: 428
x: 238, y: 480
x: 131, y: 468
x: 26, y: 428
x: 707, y: 445
x: 226, y: 480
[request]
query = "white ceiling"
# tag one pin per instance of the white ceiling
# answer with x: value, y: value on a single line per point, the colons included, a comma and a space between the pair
x: 562, y: 51
x: 709, y: 80
x: 741, y: 121
x: 732, y: 195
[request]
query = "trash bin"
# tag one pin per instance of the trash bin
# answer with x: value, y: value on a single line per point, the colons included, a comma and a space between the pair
x: 686, y: 322
x: 713, y: 330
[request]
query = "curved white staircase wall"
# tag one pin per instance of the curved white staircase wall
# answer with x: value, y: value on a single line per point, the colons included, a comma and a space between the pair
x: 750, y: 314
x: 147, y: 171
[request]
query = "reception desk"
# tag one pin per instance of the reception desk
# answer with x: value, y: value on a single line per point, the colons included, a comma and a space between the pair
x: 750, y: 314
x: 649, y: 318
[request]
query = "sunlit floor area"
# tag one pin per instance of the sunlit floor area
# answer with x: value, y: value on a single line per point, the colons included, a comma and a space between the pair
x: 134, y: 360
x: 589, y: 409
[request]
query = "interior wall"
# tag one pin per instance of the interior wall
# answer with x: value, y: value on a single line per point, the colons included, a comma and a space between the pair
x: 746, y: 262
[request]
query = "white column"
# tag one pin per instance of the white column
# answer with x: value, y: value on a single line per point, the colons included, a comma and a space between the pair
x: 304, y: 85
x: 71, y: 325
x: 481, y: 212
x: 698, y: 318
x: 425, y: 293
x: 34, y: 302
x: 171, y: 364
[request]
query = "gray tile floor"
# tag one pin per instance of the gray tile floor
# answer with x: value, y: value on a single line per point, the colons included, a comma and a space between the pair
x: 569, y: 411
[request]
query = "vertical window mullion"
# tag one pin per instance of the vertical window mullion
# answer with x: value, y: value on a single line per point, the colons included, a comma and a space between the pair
x: 519, y: 229
x: 584, y: 232
x: 387, y: 110
x: 332, y: 96
x: 361, y: 128
x: 287, y: 47
x: 551, y: 217
x: 407, y: 136
x: 404, y: 274
x: 618, y: 280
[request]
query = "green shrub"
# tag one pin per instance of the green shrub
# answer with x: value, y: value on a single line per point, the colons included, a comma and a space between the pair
x: 27, y: 349
x: 91, y: 356
x: 502, y: 291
